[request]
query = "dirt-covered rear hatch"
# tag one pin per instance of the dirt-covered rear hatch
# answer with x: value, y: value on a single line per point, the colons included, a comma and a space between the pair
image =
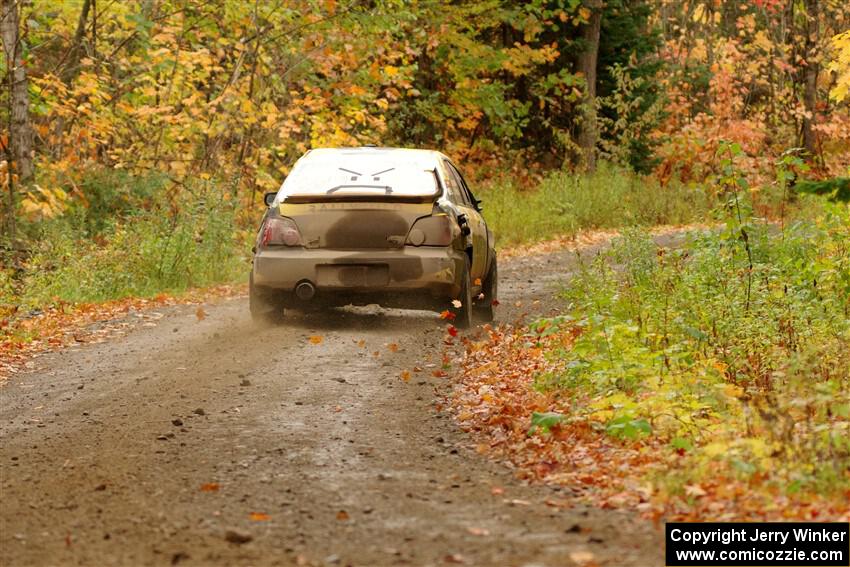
x: 356, y: 200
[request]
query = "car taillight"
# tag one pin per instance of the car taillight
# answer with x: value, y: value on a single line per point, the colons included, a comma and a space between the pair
x: 280, y: 231
x: 436, y: 230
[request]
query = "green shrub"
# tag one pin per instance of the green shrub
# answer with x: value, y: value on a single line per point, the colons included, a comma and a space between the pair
x: 745, y: 366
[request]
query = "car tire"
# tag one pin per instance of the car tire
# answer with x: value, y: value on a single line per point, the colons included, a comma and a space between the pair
x: 265, y: 307
x: 463, y: 314
x: 484, y: 308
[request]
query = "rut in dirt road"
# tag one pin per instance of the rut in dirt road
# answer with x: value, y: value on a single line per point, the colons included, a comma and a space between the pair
x: 217, y: 442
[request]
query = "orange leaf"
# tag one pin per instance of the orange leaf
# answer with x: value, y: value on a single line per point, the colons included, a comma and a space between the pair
x: 200, y: 314
x: 448, y: 315
x: 260, y: 516
x: 405, y: 375
x: 210, y: 487
x: 342, y: 516
x: 316, y: 339
x: 393, y: 347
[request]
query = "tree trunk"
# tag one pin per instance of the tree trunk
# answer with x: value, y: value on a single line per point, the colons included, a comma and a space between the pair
x: 810, y: 93
x: 588, y: 133
x: 19, y: 142
x: 72, y: 65
x: 69, y: 73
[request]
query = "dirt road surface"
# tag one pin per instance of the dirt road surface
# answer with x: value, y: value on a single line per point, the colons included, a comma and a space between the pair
x: 218, y: 442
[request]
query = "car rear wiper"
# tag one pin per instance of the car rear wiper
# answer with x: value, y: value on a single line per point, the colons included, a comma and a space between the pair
x: 387, y: 189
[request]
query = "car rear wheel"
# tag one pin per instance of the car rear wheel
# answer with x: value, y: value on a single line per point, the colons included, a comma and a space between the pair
x: 463, y: 314
x: 264, y: 304
x: 484, y: 306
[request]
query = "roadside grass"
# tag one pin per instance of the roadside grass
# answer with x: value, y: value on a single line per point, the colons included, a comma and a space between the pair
x: 159, y: 243
x: 565, y: 203
x: 710, y: 381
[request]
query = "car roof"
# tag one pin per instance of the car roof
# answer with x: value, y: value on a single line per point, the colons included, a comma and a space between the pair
x: 427, y: 159
x: 404, y: 173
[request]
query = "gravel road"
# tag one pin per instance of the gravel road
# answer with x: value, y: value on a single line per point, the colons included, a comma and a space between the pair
x: 218, y: 442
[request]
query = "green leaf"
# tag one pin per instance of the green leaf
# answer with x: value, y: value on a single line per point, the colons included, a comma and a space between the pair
x: 544, y: 422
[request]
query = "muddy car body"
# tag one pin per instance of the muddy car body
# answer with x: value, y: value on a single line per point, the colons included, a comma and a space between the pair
x: 396, y: 227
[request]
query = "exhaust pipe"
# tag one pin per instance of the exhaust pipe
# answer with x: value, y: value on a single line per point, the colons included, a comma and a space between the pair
x: 305, y: 291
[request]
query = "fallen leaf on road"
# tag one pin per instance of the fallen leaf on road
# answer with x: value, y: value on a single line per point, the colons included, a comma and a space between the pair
x: 259, y: 516
x: 405, y: 375
x: 342, y: 516
x: 454, y: 558
x: 316, y: 339
x: 210, y: 487
x: 478, y: 531
x: 452, y: 330
x: 457, y: 303
x: 584, y: 558
x: 497, y: 490
x: 447, y: 315
x: 393, y: 347
x: 361, y: 343
x: 200, y: 314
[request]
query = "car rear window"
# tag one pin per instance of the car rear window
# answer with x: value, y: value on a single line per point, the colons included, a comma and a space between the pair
x: 341, y: 174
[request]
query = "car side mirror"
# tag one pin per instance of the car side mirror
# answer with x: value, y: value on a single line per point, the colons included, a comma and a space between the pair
x: 268, y: 198
x: 478, y: 204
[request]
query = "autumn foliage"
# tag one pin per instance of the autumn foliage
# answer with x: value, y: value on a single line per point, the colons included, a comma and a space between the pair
x: 683, y: 383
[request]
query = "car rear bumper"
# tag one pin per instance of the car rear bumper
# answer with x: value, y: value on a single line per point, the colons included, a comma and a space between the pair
x: 432, y: 270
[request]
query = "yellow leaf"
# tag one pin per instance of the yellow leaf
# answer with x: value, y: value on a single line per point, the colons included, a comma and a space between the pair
x: 316, y: 339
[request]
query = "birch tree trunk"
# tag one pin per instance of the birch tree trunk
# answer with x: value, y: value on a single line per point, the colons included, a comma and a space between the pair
x: 19, y: 143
